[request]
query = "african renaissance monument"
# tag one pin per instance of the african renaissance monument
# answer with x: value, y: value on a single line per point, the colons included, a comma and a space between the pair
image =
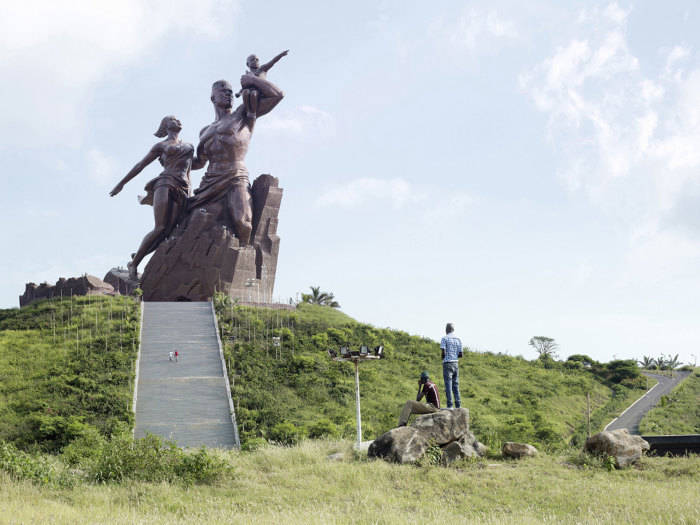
x: 223, y: 235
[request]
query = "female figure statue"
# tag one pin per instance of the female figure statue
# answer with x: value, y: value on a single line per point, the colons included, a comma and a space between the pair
x: 168, y: 192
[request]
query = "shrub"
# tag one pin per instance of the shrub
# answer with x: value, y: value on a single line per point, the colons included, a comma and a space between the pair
x: 151, y: 459
x: 285, y: 433
x: 35, y: 468
x: 322, y: 428
x: 432, y: 456
x: 253, y: 443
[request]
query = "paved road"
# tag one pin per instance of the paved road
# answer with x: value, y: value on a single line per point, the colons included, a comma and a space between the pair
x: 631, y: 417
x: 186, y: 401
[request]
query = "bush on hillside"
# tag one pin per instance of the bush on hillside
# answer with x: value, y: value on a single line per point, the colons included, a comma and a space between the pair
x: 151, y: 459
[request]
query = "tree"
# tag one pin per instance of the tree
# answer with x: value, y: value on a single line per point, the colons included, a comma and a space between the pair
x: 647, y: 362
x: 585, y: 360
x: 661, y: 362
x: 318, y: 297
x: 545, y: 346
x: 673, y: 362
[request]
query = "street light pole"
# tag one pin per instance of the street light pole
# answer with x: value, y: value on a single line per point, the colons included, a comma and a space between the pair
x: 356, y: 357
x: 357, y: 403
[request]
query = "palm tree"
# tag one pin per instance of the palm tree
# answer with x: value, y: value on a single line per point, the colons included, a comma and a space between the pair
x: 660, y: 362
x: 318, y: 297
x: 647, y: 362
x: 672, y: 363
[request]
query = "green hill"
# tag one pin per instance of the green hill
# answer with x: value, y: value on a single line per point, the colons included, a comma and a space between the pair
x: 283, y: 394
x: 66, y: 366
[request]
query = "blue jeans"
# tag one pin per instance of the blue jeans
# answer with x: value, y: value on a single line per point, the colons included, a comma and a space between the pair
x: 450, y: 373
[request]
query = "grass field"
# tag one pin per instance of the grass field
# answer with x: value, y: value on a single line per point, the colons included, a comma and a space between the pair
x: 300, y: 485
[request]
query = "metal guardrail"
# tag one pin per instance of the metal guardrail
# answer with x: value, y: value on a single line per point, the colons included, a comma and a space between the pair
x: 678, y: 445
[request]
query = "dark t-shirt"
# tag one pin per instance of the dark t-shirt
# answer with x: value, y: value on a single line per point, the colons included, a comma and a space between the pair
x: 430, y: 392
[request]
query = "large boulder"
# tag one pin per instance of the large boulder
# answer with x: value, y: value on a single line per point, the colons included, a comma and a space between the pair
x: 400, y: 445
x: 444, y: 428
x: 511, y: 449
x: 465, y: 447
x: 624, y: 447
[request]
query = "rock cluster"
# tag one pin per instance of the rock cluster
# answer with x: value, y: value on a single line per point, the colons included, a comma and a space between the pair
x: 627, y: 449
x: 84, y: 285
x: 447, y: 428
x: 121, y: 282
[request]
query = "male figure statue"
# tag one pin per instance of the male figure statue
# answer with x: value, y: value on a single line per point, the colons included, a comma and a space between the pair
x: 224, y: 144
x: 427, y: 389
x: 451, y: 347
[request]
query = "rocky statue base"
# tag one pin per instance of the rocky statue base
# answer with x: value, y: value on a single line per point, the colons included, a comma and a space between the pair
x: 202, y: 254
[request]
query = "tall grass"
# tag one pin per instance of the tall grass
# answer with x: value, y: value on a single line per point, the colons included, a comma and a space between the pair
x: 299, y: 485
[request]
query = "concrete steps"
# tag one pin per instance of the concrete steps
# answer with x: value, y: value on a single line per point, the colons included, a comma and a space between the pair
x: 187, y: 401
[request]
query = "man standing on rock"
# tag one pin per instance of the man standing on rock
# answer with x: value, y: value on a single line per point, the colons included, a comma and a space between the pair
x: 451, y: 347
x: 425, y: 388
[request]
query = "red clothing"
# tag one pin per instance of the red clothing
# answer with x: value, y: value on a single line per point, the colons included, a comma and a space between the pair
x: 430, y: 392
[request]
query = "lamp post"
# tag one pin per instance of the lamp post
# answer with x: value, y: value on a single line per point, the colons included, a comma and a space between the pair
x: 356, y: 356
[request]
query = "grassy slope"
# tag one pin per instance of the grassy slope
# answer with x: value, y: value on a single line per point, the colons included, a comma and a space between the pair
x: 677, y: 413
x: 299, y: 485
x: 509, y: 398
x: 65, y: 366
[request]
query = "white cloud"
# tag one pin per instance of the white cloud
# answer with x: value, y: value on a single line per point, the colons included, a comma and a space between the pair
x: 628, y: 137
x: 473, y: 30
x: 359, y: 192
x: 611, y: 121
x: 101, y: 168
x: 303, y: 121
x: 52, y: 52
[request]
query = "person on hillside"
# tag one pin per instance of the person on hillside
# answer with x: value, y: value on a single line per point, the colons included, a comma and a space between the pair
x: 451, y: 347
x: 427, y: 389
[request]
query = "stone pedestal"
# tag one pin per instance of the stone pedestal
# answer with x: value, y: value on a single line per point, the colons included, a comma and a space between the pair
x: 202, y: 255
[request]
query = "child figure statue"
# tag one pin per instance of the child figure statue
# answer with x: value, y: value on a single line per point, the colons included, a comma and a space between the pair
x: 248, y: 91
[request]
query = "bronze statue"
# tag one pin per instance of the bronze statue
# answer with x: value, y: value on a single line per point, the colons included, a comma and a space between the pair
x: 249, y: 92
x: 224, y: 144
x: 168, y: 192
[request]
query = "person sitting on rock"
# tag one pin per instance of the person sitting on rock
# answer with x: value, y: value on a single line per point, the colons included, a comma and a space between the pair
x: 427, y: 389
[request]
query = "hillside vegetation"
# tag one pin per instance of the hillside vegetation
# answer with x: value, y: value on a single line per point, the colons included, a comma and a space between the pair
x: 677, y: 412
x: 286, y: 393
x: 66, y: 369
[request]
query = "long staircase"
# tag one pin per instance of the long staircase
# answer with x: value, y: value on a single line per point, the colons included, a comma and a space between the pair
x: 187, y: 401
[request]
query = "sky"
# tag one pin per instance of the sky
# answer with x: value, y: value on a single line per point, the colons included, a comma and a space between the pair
x: 516, y: 168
